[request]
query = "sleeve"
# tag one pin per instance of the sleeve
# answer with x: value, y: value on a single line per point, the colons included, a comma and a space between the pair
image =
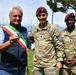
x: 58, y: 44
x: 1, y: 36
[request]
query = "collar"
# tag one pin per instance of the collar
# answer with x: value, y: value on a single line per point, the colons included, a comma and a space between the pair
x: 15, y: 26
x: 39, y: 27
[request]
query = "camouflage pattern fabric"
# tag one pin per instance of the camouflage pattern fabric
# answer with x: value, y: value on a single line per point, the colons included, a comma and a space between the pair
x: 70, y: 51
x: 44, y: 71
x: 48, y: 45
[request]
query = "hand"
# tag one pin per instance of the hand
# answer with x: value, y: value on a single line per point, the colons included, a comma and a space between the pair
x: 13, y: 39
x: 58, y: 66
x: 70, y: 62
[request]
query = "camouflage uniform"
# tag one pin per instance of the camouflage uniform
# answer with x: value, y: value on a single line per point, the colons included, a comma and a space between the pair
x: 70, y: 50
x: 48, y: 47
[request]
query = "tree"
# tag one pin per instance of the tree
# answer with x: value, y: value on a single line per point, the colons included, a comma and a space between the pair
x: 61, y: 5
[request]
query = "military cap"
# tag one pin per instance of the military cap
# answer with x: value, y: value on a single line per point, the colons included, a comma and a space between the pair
x: 41, y: 10
x: 70, y: 15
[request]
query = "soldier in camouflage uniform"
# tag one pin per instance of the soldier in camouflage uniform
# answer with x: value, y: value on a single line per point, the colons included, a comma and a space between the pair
x: 69, y: 38
x: 48, y: 45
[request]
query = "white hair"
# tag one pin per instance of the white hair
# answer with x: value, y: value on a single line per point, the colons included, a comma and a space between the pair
x: 16, y: 7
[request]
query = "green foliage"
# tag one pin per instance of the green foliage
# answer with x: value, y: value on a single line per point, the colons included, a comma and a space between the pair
x: 61, y: 5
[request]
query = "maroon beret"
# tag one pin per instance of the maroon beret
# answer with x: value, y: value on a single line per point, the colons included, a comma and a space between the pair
x: 41, y: 10
x: 70, y: 15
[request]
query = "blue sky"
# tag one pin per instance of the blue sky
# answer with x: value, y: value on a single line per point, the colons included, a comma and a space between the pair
x: 29, y: 8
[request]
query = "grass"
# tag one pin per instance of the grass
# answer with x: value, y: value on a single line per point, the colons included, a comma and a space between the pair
x: 30, y: 61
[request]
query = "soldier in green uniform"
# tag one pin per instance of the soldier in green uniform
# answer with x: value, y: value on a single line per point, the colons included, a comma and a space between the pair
x: 69, y: 39
x: 49, y: 50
